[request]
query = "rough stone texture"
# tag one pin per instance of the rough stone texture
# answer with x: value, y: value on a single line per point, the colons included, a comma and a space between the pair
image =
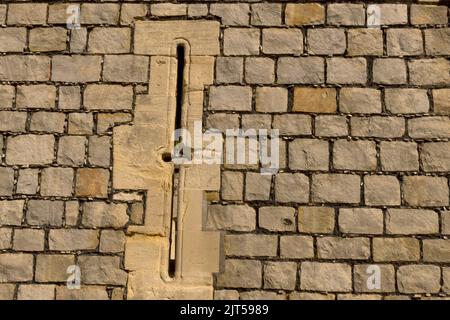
x: 281, y: 219
x: 435, y: 156
x: 367, y: 42
x: 412, y: 221
x: 406, y: 100
x: 53, y: 267
x: 361, y: 221
x: 335, y: 188
x: 16, y: 267
x: 396, y: 249
x: 73, y: 239
x: 382, y: 190
x: 92, y: 183
x: 284, y: 191
x: 325, y: 277
x: 100, y: 214
x: 280, y: 275
x: 357, y: 100
x: 426, y: 191
x: 399, y: 156
x: 251, y: 245
x: 418, y: 279
x: 241, y: 274
x: 297, y: 247
x: 45, y: 212
x: 346, y: 71
x: 355, y: 155
x: 347, y: 248
x: 308, y: 154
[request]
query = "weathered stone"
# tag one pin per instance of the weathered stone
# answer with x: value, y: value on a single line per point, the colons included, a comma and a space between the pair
x: 108, y: 97
x: 308, y: 154
x: 311, y: 296
x: 27, y: 182
x: 24, y: 68
x: 392, y: 14
x: 282, y: 41
x: 36, y: 292
x: 325, y: 277
x: 436, y: 250
x: 5, y: 238
x: 6, y: 181
x: 44, y: 121
x: 259, y: 70
x: 382, y: 191
x: 399, y: 156
x: 110, y: 40
x: 316, y: 219
x: 266, y: 14
x: 13, y: 39
x: 27, y: 13
x: 76, y: 68
x: 304, y: 14
x: 11, y: 212
x: 16, y: 267
x: 296, y: 247
x: 429, y: 127
x: 92, y: 183
x: 437, y: 41
x: 292, y: 124
x: 69, y: 97
x: 102, y: 270
x: 84, y: 293
x: 280, y: 275
x: 406, y: 100
x: 73, y: 239
x: 251, y: 245
x: 284, y: 192
x: 53, y: 267
x: 7, y: 290
x: 363, y: 277
x: 441, y: 99
x: 231, y: 217
x: 45, y: 212
x: 99, y: 151
x: 331, y: 126
x: 412, y: 221
x: 404, y: 42
x: 281, y: 219
x: 428, y: 14
x: 389, y: 71
x: 78, y: 40
x: 233, y: 98
x: 257, y: 186
x: 241, y: 274
x: 361, y: 221
x: 13, y: 121
x: 125, y: 68
x: 168, y: 9
x: 101, y: 214
x: 256, y: 121
x: 28, y: 240
x: 304, y: 70
x: 232, y: 185
x: 343, y: 248
x: 71, y: 150
x: 360, y: 100
x: 30, y: 149
x: 36, y: 96
x: 57, y: 182
x: 419, y: 279
x: 426, y: 191
x: 229, y: 69
x: 232, y: 14
x: 317, y: 100
x: 429, y: 71
x: 100, y: 13
x: 131, y: 11
x: 240, y: 41
x: 7, y: 94
x: 346, y: 70
x: 435, y: 156
x: 48, y: 39
x: 355, y: 155
x: 335, y: 188
x: 396, y: 249
x: 71, y: 213
x: 326, y: 41
x: 226, y: 295
x: 367, y: 41
x: 346, y: 14
x: 382, y: 127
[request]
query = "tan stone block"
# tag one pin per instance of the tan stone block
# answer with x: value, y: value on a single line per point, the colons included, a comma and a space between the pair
x: 391, y: 14
x: 364, y: 297
x: 100, y: 151
x: 3, y: 8
x: 419, y: 279
x: 168, y: 9
x: 231, y: 217
x: 100, y: 13
x: 240, y: 41
x: 5, y: 238
x: 27, y: 13
x: 365, y: 42
x: 6, y: 181
x: 396, y: 249
x: 13, y: 39
x: 311, y: 296
x: 71, y: 213
x: 28, y: 181
x: 125, y: 68
x: 101, y: 270
x: 110, y: 40
x: 36, y: 292
x: 16, y: 267
x: 232, y: 185
x: 399, y: 156
x: 131, y: 11
x: 231, y: 14
x: 331, y: 126
x: 361, y: 221
x: 428, y: 14
x: 343, y: 248
x: 284, y: 191
x: 412, y: 221
x: 363, y: 276
x: 28, y: 240
x: 11, y: 212
x: 292, y: 124
x: 12, y: 121
x: 92, y: 183
x: 45, y: 212
x: 437, y: 41
x: 76, y: 68
x: 441, y: 99
x: 429, y: 127
x: 316, y: 220
x: 301, y: 70
x: 360, y: 100
x: 436, y: 250
x: 335, y: 188
x: 69, y: 97
x: 81, y: 123
x: 73, y: 239
x: 104, y: 215
x: 308, y: 154
x: 326, y: 41
x: 404, y: 42
x: 355, y: 155
x: 71, y: 150
x: 24, y: 68
x: 36, y: 96
x: 296, y: 247
x: 304, y: 14
x: 346, y: 14
x: 53, y: 267
x: 406, y: 100
x: 280, y: 275
x: 317, y: 100
x: 48, y: 39
x: 259, y: 70
x: 426, y: 191
x: 58, y: 12
x: 389, y: 71
x: 382, y: 127
x: 108, y: 97
x: 226, y: 295
x: 30, y: 149
x: 251, y: 245
x: 282, y: 41
x: 435, y: 156
x: 48, y: 122
x: 84, y: 293
x: 382, y: 190
x: 346, y: 70
x: 233, y: 98
x: 78, y: 40
x: 7, y: 94
x: 281, y: 219
x: 106, y: 121
x: 266, y: 14
x: 429, y: 71
x: 197, y: 10
x: 241, y: 274
x: 325, y: 277
x: 57, y: 182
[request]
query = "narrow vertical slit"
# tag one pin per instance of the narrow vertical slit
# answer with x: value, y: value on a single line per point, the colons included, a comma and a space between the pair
x: 176, y: 172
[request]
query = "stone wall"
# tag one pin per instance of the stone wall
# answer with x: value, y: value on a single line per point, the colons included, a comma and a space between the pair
x: 363, y: 113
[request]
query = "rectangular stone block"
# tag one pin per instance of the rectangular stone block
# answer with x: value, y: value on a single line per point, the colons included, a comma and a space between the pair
x: 361, y: 221
x: 110, y: 40
x: 36, y: 96
x: 27, y: 13
x: 13, y: 121
x: 412, y: 221
x: 231, y: 217
x: 104, y: 215
x: 13, y: 39
x: 435, y: 156
x: 76, y: 68
x: 304, y: 14
x: 251, y: 245
x: 48, y: 39
x: 338, y: 277
x: 233, y: 98
x: 30, y: 149
x: 436, y: 250
x: 126, y: 68
x: 343, y: 248
x: 304, y: 70
x: 296, y: 247
x: 45, y: 213
x: 355, y: 155
x: 316, y: 220
x: 315, y: 100
x: 11, y: 212
x: 381, y: 127
x: 241, y: 274
x: 396, y: 249
x: 100, y: 13
x: 108, y: 97
x: 16, y: 267
x: 24, y: 68
x: 335, y: 188
x: 73, y: 239
x: 426, y: 191
x: 419, y: 279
